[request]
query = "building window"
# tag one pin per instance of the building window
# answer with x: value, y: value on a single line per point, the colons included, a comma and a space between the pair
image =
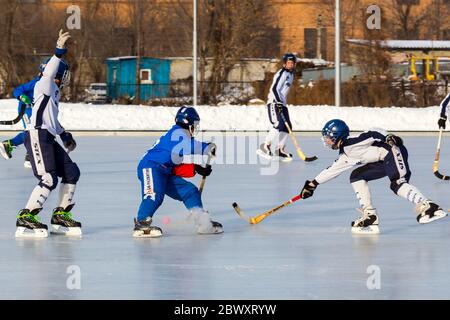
x: 311, y: 43
x: 146, y: 76
x: 114, y: 75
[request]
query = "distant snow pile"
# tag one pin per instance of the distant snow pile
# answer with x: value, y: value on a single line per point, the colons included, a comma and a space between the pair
x: 79, y: 116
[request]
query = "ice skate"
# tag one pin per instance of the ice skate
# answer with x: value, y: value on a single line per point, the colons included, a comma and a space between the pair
x: 6, y: 149
x: 213, y: 228
x: 29, y: 226
x: 144, y: 229
x: 367, y: 224
x: 204, y: 223
x: 27, y: 162
x: 429, y: 211
x: 62, y: 222
x: 264, y: 151
x: 283, y: 155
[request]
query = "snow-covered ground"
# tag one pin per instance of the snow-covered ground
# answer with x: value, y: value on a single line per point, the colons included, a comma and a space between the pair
x: 79, y: 116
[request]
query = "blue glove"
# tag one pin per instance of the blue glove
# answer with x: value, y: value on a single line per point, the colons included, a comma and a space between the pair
x: 68, y: 141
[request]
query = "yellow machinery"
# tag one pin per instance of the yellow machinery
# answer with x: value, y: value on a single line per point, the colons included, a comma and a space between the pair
x: 430, y: 71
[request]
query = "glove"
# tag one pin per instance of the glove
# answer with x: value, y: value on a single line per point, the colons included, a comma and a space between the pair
x: 62, y: 39
x: 68, y: 141
x: 279, y: 106
x: 308, y: 189
x: 25, y: 99
x: 204, y: 172
x: 212, y: 149
x: 441, y: 122
x: 394, y: 140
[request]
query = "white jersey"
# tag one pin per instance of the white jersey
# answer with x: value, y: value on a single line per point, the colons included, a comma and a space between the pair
x: 365, y: 148
x: 46, y: 100
x: 282, y: 82
x: 445, y: 106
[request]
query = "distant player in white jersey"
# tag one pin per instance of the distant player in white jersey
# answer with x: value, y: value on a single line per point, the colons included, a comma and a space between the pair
x: 48, y: 159
x: 377, y: 156
x: 276, y: 105
x: 445, y: 107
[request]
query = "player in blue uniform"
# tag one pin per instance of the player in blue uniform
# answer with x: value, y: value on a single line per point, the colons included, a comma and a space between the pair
x: 378, y: 156
x: 161, y: 173
x: 24, y: 93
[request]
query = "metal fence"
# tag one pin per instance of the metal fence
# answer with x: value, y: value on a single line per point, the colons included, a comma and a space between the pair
x: 357, y: 92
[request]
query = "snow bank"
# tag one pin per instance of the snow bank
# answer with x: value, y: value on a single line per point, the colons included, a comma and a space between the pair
x: 79, y: 116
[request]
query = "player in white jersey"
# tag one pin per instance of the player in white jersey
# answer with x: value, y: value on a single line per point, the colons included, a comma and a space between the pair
x: 278, y: 112
x: 377, y: 156
x: 48, y: 159
x: 445, y: 107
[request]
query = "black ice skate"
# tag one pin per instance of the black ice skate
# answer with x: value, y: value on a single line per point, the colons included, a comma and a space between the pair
x: 283, y: 155
x: 6, y: 149
x: 144, y: 229
x: 214, y: 228
x: 63, y: 223
x: 29, y: 226
x: 429, y: 211
x: 367, y: 224
x: 264, y: 151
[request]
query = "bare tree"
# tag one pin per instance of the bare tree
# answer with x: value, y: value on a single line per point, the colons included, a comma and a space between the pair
x: 408, y: 20
x: 229, y: 30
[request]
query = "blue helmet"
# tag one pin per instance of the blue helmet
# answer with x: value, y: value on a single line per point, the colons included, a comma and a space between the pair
x: 289, y: 57
x: 334, y: 131
x: 187, y: 118
x: 63, y: 73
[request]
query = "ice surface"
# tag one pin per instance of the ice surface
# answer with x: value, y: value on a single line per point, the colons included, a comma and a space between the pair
x: 305, y: 251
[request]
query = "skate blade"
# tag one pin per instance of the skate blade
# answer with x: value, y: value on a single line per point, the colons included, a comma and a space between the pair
x: 263, y: 155
x: 282, y: 159
x: 213, y: 230
x: 4, y: 154
x: 66, y: 231
x: 366, y: 230
x: 23, y: 232
x: 27, y: 164
x: 147, y: 234
x: 437, y: 215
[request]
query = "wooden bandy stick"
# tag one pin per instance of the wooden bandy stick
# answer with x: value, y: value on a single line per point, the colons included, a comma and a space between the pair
x: 436, y: 160
x: 260, y: 217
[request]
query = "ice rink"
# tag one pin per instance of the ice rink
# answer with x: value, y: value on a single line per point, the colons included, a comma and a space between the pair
x: 305, y: 251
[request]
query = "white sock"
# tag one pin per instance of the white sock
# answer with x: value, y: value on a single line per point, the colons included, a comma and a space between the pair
x: 66, y: 192
x: 411, y: 193
x: 361, y: 188
x: 273, y: 134
x: 283, y: 137
x: 37, y: 198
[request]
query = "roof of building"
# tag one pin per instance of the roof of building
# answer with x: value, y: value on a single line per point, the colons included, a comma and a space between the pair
x: 405, y: 44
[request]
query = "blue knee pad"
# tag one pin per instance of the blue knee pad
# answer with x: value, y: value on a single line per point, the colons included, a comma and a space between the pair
x: 71, y: 173
x: 49, y: 181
